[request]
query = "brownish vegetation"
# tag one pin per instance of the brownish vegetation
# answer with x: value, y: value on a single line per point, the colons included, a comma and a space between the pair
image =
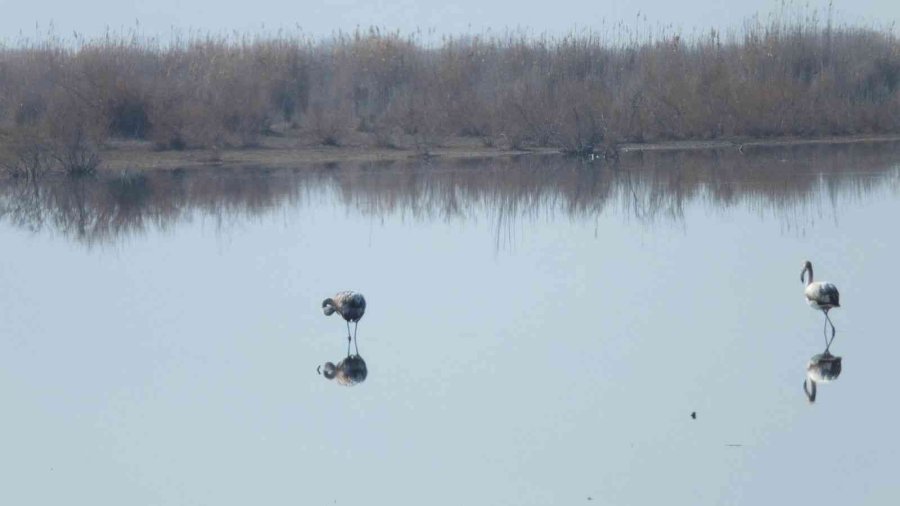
x: 60, y: 104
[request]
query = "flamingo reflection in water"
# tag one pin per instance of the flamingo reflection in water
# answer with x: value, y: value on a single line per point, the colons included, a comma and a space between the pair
x: 348, y: 372
x: 822, y: 368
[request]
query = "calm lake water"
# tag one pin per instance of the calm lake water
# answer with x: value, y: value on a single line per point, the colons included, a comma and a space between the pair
x: 538, y: 331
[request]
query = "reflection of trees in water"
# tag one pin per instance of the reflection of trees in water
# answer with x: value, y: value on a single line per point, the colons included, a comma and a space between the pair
x: 796, y: 185
x: 110, y: 207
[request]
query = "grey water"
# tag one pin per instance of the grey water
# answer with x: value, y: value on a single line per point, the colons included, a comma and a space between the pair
x: 538, y: 331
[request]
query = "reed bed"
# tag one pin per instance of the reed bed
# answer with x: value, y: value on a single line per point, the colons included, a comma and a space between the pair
x: 61, y: 102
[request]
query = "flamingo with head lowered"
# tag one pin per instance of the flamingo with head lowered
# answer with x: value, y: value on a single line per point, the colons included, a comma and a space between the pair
x: 820, y: 295
x: 351, y: 306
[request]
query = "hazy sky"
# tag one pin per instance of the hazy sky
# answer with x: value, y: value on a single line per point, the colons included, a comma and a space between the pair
x: 92, y: 17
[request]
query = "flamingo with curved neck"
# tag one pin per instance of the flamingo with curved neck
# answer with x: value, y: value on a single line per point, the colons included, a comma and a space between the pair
x: 820, y: 295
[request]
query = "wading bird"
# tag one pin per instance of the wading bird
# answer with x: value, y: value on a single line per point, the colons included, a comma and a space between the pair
x: 820, y: 295
x: 351, y: 306
x: 822, y: 368
x: 348, y: 372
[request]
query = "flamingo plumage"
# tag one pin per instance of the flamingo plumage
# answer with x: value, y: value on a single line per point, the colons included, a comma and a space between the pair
x: 351, y: 306
x: 820, y: 295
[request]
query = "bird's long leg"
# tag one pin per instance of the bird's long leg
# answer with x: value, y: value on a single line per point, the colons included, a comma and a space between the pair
x: 355, y: 340
x: 348, y: 338
x: 825, y: 331
x: 833, y: 330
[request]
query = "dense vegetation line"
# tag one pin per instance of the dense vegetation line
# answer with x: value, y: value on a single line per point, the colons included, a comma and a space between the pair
x: 60, y: 103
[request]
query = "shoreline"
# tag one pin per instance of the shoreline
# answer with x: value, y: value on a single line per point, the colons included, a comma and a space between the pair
x: 745, y: 143
x: 131, y: 155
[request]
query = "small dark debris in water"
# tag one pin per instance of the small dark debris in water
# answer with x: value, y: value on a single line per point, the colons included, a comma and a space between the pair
x: 694, y: 415
x: 590, y: 498
x: 734, y: 445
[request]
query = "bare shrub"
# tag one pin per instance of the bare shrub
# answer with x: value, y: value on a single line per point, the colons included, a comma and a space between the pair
x: 421, y: 116
x: 330, y: 125
x: 76, y: 154
x: 25, y: 154
x: 73, y: 132
x: 129, y: 117
x: 387, y: 136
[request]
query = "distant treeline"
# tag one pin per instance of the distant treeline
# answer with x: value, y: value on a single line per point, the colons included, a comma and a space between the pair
x: 578, y: 93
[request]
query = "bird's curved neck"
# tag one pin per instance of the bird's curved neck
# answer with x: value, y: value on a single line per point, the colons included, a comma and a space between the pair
x: 809, y: 269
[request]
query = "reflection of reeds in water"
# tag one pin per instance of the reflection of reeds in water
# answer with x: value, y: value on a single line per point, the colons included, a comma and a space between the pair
x: 795, y: 185
x: 107, y: 208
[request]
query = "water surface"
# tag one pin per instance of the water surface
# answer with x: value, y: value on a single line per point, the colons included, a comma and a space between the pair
x: 538, y: 332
